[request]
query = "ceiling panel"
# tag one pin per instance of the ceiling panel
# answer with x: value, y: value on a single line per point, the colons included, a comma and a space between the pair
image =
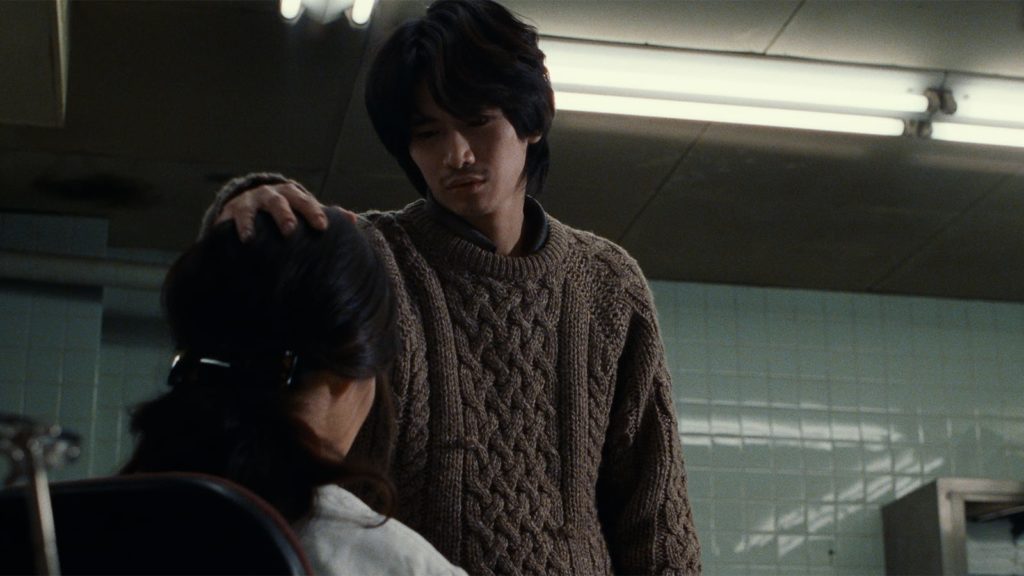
x: 361, y: 190
x: 728, y: 25
x: 979, y: 36
x: 605, y: 169
x: 152, y: 204
x: 770, y: 214
x: 33, y: 49
x: 362, y: 175
x: 978, y: 255
x: 200, y: 82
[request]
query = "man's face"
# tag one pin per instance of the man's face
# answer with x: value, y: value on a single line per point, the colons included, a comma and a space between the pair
x: 473, y: 166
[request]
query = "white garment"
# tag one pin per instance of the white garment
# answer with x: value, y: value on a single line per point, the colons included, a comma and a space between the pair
x: 342, y: 537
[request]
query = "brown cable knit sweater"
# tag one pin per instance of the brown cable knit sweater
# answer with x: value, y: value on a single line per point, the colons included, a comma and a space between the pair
x: 536, y: 433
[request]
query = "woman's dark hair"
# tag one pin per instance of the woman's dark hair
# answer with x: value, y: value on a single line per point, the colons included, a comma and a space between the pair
x: 324, y: 297
x: 471, y: 54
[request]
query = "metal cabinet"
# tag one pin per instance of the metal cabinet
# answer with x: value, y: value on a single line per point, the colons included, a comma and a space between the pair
x: 926, y: 530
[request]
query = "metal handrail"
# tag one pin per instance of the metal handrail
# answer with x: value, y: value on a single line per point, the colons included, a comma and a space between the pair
x: 33, y: 449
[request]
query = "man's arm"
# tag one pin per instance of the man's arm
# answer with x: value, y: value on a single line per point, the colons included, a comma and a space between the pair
x: 642, y: 496
x: 241, y: 198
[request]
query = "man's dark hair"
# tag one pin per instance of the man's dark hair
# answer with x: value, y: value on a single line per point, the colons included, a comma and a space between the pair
x: 471, y: 54
x: 323, y: 296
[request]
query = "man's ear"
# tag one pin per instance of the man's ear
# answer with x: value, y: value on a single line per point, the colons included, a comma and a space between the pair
x: 534, y: 138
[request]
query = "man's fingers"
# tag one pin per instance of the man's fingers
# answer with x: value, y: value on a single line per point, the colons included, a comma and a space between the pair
x: 285, y: 202
x: 242, y: 212
x: 277, y: 206
x: 302, y: 202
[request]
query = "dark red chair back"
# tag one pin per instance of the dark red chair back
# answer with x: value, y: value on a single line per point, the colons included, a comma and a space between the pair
x: 154, y: 524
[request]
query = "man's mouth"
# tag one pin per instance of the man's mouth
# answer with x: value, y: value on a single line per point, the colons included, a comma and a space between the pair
x: 463, y: 181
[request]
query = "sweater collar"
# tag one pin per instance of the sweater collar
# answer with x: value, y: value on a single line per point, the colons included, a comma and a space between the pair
x: 536, y: 228
x: 453, y: 249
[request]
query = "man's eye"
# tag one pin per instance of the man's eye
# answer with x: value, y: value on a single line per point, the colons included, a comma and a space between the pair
x: 423, y: 134
x: 479, y: 121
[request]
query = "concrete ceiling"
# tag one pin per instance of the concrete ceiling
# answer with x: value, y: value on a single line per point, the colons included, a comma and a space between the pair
x: 167, y: 99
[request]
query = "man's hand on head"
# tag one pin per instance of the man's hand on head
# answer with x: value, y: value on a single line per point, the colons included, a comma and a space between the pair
x: 284, y: 201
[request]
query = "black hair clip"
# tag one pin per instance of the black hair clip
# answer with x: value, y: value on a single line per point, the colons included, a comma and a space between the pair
x: 291, y: 362
x: 184, y: 363
x: 186, y: 366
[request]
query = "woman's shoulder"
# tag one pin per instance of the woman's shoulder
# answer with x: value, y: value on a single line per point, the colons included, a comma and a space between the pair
x: 346, y: 536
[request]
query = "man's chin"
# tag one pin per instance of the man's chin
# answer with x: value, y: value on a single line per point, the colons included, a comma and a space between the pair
x: 468, y: 208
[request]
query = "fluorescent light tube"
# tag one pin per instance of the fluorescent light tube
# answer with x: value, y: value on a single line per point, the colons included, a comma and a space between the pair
x: 325, y: 11
x: 728, y: 113
x: 291, y: 9
x: 987, y: 100
x: 587, y: 67
x: 975, y: 134
x: 361, y: 11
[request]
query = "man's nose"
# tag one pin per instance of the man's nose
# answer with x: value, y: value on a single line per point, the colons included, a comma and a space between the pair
x: 458, y: 153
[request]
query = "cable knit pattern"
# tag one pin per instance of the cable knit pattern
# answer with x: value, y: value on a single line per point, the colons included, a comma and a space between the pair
x: 536, y: 431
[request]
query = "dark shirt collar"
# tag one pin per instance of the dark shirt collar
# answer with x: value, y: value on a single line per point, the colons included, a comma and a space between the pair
x: 535, y: 225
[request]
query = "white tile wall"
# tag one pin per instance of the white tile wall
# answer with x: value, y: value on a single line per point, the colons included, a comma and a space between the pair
x: 802, y: 413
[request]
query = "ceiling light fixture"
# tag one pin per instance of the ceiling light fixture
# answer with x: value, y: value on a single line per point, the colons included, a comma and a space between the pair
x: 988, y: 111
x: 987, y: 100
x: 324, y: 11
x: 361, y: 11
x: 291, y: 9
x: 729, y: 113
x: 977, y: 134
x: 758, y: 90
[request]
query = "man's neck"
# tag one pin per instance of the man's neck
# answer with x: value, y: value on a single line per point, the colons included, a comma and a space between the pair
x: 504, y: 229
x: 533, y: 236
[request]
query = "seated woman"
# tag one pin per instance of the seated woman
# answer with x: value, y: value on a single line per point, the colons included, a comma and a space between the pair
x: 284, y: 344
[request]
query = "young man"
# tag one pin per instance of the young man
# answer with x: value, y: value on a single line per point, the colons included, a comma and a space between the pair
x: 536, y: 429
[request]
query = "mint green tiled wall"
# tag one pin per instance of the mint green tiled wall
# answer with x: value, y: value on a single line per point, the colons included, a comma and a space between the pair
x: 50, y: 335
x: 134, y: 361
x: 49, y: 349
x: 802, y: 413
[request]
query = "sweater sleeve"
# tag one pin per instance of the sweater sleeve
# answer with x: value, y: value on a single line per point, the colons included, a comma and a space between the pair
x: 233, y: 188
x: 642, y: 495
